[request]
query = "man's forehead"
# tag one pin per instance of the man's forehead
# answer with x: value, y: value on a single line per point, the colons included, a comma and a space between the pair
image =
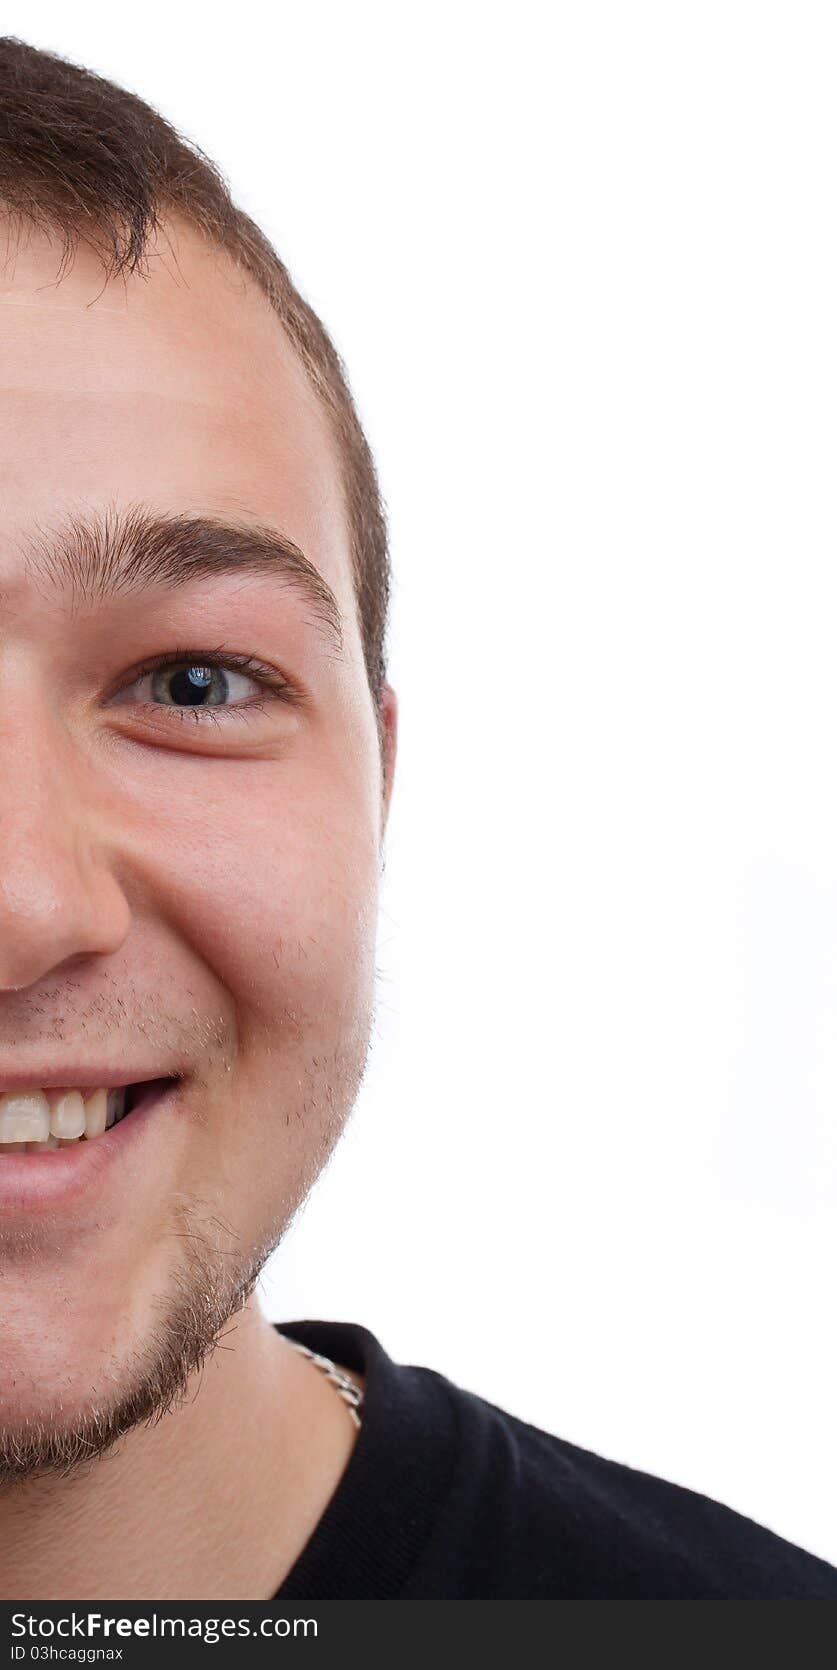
x: 178, y: 387
x: 190, y: 299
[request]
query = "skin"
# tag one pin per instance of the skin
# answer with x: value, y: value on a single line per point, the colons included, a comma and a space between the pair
x: 203, y: 899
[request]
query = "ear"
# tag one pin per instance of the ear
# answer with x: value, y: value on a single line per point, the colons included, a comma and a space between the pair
x: 388, y: 722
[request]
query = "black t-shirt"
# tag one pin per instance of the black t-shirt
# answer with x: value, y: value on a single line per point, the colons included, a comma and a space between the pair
x: 447, y: 1497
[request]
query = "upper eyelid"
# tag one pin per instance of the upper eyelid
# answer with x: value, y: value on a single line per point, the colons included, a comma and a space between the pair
x: 207, y: 657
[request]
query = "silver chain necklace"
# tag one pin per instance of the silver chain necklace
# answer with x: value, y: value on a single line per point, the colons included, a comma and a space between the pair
x: 351, y: 1394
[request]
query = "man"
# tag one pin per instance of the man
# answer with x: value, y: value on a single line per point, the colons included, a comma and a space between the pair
x: 198, y: 743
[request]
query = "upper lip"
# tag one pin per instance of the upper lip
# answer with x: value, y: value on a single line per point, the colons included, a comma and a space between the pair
x: 94, y: 1077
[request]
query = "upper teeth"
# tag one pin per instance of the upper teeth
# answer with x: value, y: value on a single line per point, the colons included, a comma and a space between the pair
x: 52, y: 1117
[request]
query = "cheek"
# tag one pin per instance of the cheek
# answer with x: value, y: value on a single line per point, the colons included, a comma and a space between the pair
x: 293, y: 944
x: 275, y: 896
x: 274, y: 887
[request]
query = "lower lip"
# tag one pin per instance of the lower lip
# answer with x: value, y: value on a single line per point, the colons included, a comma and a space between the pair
x: 61, y: 1178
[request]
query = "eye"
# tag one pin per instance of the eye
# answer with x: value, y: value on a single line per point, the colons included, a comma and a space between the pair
x: 192, y: 684
x: 204, y: 682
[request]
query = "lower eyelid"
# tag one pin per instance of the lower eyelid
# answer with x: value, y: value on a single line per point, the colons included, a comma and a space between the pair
x: 216, y: 712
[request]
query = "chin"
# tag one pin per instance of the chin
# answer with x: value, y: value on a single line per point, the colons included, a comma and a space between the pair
x: 66, y: 1343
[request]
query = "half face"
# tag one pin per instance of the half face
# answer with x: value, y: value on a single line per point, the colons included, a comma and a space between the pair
x: 191, y: 809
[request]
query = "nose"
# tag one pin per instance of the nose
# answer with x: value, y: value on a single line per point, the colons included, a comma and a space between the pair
x: 59, y: 898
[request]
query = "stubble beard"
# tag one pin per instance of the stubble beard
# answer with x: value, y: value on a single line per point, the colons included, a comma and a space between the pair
x: 203, y: 1297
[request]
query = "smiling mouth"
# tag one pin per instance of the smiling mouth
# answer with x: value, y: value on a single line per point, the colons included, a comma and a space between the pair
x: 35, y: 1121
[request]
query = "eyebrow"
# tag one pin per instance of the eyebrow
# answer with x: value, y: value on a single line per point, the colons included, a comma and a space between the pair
x: 125, y: 552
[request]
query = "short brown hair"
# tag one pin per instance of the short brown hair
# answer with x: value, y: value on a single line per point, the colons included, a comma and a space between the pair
x: 89, y: 160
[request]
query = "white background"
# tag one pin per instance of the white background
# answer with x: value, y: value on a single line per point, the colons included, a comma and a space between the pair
x: 581, y: 262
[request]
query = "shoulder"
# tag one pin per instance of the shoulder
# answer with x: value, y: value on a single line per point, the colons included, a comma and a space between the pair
x: 449, y: 1496
x: 528, y: 1514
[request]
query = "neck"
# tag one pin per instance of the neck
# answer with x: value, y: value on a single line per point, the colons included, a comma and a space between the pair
x: 214, y: 1502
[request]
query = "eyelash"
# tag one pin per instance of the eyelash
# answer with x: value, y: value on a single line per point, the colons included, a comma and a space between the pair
x: 279, y: 687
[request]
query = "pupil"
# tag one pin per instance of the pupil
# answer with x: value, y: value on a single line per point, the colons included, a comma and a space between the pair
x: 191, y: 686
